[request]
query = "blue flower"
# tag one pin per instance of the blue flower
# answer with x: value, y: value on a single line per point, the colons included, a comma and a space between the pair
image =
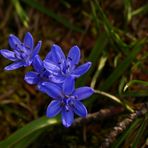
x: 22, y: 53
x: 66, y: 100
x: 63, y: 68
x: 39, y: 75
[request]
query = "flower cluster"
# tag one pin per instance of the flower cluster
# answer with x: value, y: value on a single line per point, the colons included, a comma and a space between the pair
x: 55, y: 75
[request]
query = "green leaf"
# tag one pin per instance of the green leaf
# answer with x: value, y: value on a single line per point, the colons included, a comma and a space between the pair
x: 30, y: 129
x: 99, y: 46
x: 140, y: 133
x: 114, y: 98
x: 121, y: 68
x: 110, y: 30
x: 141, y: 10
x: 101, y: 65
x: 21, y: 13
x: 128, y: 10
x: 144, y: 83
x: 53, y: 15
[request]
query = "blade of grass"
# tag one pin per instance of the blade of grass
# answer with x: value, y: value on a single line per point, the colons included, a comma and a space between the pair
x: 111, y: 32
x: 144, y: 83
x: 140, y: 133
x: 53, y: 15
x: 121, y: 68
x: 101, y: 65
x: 140, y: 11
x: 114, y: 98
x: 21, y: 13
x: 24, y: 143
x: 128, y: 10
x: 100, y: 44
x: 140, y: 93
x: 28, y: 130
x: 94, y: 16
x: 121, y: 138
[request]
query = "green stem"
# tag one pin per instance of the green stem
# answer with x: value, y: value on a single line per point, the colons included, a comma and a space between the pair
x: 114, y: 98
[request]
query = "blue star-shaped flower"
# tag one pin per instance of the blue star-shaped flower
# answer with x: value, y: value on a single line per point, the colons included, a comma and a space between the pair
x: 22, y: 53
x: 61, y: 67
x: 66, y: 100
x: 39, y: 75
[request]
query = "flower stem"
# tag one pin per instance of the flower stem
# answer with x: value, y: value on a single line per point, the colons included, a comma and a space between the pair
x: 115, y: 99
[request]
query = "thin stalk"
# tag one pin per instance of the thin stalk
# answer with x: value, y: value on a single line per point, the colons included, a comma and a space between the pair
x: 114, y: 98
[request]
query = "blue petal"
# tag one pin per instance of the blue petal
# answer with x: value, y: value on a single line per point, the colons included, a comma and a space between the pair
x: 67, y: 117
x: 15, y: 65
x: 8, y: 54
x: 57, y: 54
x: 74, y: 55
x: 37, y: 64
x: 68, y: 85
x: 82, y: 69
x: 49, y: 56
x: 13, y: 41
x: 52, y: 90
x: 42, y: 88
x: 28, y: 40
x: 79, y: 109
x: 57, y: 79
x: 31, y: 77
x: 51, y: 67
x: 83, y: 92
x: 53, y: 108
x: 36, y: 49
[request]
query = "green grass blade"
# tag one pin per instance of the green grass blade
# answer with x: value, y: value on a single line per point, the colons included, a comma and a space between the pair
x: 24, y: 143
x: 144, y: 83
x: 140, y: 93
x: 121, y: 68
x: 21, y: 13
x: 123, y: 137
x: 53, y: 15
x: 140, y: 133
x: 101, y: 65
x: 100, y: 44
x: 140, y: 11
x: 114, y: 98
x: 28, y: 130
x: 94, y: 15
x: 128, y: 10
x: 110, y: 30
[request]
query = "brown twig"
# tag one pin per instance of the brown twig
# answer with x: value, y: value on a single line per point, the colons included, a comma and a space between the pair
x: 102, y: 114
x: 121, y: 126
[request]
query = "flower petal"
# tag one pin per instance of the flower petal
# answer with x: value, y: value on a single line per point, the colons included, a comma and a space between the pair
x: 53, y: 108
x: 57, y: 54
x: 37, y: 64
x: 8, y: 54
x: 68, y: 85
x: 28, y: 40
x: 15, y: 65
x: 82, y: 69
x: 36, y: 49
x: 79, y: 109
x: 51, y: 67
x: 52, y: 90
x: 74, y: 55
x: 49, y: 56
x: 83, y: 92
x: 13, y: 41
x: 67, y: 117
x: 31, y: 77
x: 57, y: 79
